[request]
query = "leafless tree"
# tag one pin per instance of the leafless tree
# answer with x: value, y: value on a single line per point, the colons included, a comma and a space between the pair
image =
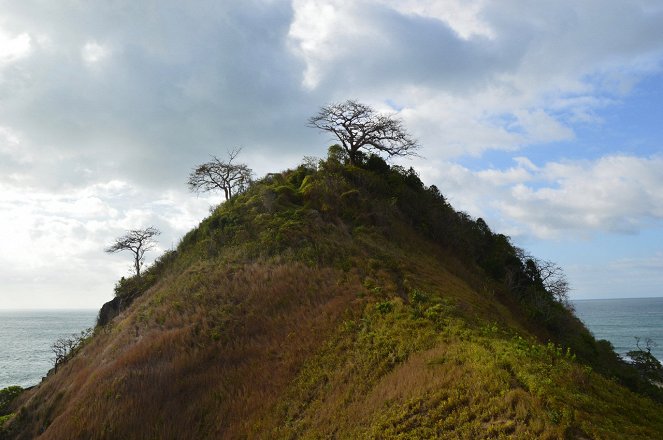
x: 138, y: 241
x: 64, y: 348
x: 554, y: 281
x: 358, y: 126
x: 221, y: 175
x: 551, y: 276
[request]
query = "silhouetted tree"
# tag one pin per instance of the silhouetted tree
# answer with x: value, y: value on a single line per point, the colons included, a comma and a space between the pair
x: 358, y: 126
x: 645, y: 362
x: 554, y: 281
x: 221, y: 175
x: 138, y: 241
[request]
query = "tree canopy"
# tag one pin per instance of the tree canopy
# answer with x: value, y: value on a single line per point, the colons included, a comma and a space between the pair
x: 221, y: 175
x: 359, y: 127
x: 138, y: 241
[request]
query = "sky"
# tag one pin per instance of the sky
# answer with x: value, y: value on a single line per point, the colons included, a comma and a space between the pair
x: 543, y: 118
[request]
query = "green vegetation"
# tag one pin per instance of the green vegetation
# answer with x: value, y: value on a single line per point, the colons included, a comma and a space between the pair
x: 645, y: 362
x: 400, y: 375
x: 7, y: 397
x: 346, y: 301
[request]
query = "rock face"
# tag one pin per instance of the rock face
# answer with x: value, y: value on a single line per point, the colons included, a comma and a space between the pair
x: 111, y: 309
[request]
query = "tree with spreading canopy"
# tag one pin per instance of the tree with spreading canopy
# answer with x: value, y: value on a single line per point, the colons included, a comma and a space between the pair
x: 217, y: 174
x: 138, y: 241
x: 359, y: 127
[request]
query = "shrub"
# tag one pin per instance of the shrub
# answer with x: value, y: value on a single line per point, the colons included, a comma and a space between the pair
x: 384, y: 307
x: 7, y: 396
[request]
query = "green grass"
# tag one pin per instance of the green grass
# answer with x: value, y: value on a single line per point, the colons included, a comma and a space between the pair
x: 399, y: 374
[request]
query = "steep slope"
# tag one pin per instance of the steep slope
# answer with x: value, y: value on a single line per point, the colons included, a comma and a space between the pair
x: 340, y: 302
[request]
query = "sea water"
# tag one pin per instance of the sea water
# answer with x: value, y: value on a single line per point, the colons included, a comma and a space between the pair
x: 26, y: 337
x: 621, y: 321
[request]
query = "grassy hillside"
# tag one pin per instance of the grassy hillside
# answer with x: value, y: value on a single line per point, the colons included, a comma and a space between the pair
x: 334, y: 301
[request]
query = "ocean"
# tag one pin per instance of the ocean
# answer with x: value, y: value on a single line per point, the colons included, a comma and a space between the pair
x: 26, y: 337
x: 620, y: 321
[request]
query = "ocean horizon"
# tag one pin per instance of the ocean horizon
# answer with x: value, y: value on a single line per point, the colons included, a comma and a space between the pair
x: 26, y: 337
x: 622, y: 320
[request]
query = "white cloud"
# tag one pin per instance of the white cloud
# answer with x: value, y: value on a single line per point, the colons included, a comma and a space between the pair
x: 11, y: 148
x: 320, y: 33
x: 93, y: 52
x: 54, y: 241
x: 616, y: 193
x: 13, y: 48
x: 462, y: 16
x: 475, y: 76
x: 190, y: 81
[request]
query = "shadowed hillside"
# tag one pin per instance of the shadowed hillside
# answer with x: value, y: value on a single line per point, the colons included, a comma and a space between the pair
x: 338, y: 301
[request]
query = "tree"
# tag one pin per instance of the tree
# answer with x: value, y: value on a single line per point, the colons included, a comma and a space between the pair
x: 65, y: 348
x: 645, y: 362
x: 359, y: 127
x: 138, y: 241
x: 547, y: 275
x: 221, y: 175
x: 554, y: 281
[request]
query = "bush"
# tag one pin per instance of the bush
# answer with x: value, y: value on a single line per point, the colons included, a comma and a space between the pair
x: 7, y: 396
x: 385, y: 307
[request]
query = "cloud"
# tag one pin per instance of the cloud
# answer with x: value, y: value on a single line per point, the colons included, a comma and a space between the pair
x: 614, y: 194
x: 95, y: 93
x: 13, y: 48
x: 121, y: 90
x: 53, y: 241
x: 473, y: 77
x: 462, y: 16
x: 145, y: 96
x: 93, y: 52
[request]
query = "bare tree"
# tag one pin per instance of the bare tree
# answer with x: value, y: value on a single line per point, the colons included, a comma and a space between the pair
x: 138, y: 241
x: 555, y: 281
x: 358, y: 126
x: 65, y: 348
x: 550, y: 276
x: 221, y: 175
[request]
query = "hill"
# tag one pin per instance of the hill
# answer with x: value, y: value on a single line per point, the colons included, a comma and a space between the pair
x: 338, y: 301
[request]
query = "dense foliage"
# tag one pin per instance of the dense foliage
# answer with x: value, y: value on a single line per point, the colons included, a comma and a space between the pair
x: 7, y: 397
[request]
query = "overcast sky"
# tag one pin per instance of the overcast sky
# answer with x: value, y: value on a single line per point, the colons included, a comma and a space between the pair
x: 544, y: 118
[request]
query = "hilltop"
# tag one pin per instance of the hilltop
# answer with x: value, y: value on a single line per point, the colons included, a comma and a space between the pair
x: 341, y: 301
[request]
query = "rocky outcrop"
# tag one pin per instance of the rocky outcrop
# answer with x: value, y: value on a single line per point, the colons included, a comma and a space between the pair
x: 111, y: 309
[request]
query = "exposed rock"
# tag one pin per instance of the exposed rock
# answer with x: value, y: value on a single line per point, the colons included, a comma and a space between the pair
x: 111, y: 309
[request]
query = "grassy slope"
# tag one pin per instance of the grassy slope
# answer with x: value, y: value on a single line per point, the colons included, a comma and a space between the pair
x: 313, y: 307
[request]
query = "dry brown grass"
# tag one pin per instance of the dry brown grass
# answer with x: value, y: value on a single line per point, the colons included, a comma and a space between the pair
x: 205, y: 356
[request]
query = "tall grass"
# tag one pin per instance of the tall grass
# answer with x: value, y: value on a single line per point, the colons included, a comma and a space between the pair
x: 202, y: 358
